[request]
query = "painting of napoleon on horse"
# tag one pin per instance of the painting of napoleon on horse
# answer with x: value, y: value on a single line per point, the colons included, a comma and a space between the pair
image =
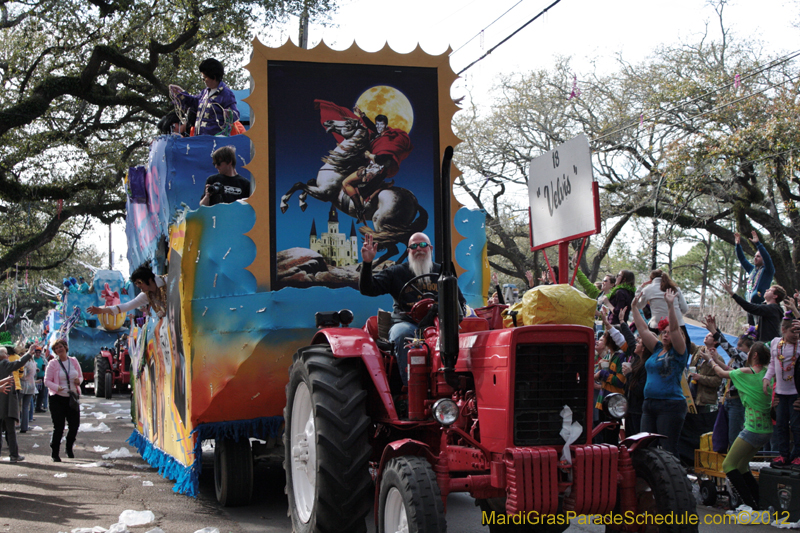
x: 356, y: 177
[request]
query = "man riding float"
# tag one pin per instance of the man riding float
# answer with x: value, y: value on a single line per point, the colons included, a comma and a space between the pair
x: 392, y: 281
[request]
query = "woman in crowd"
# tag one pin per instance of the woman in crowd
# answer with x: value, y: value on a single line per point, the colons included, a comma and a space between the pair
x: 28, y: 395
x: 652, y: 293
x: 664, y: 408
x: 62, y: 376
x: 706, y: 381
x: 9, y: 404
x: 782, y: 363
x: 617, y: 351
x: 738, y: 357
x: 758, y: 423
x: 621, y: 295
x: 635, y: 377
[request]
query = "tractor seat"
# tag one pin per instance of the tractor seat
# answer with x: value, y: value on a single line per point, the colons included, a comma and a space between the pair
x: 377, y: 333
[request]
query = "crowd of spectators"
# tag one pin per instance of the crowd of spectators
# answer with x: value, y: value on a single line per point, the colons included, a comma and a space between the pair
x: 647, y: 355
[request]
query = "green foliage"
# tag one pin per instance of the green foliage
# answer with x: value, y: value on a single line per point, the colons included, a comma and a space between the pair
x: 674, y: 131
x: 84, y: 83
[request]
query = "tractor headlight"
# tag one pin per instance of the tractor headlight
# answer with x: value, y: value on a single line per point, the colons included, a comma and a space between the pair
x: 445, y: 411
x: 615, y: 405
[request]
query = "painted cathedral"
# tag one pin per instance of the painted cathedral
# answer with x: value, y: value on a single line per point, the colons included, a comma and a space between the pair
x: 337, y: 249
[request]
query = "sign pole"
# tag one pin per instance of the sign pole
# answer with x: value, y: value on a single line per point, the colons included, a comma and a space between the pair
x: 563, y: 262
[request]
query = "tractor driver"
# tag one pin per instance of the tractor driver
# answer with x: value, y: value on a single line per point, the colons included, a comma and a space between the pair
x: 154, y: 294
x: 391, y: 281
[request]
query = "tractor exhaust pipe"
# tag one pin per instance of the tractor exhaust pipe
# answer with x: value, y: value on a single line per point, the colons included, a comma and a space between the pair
x: 448, y: 283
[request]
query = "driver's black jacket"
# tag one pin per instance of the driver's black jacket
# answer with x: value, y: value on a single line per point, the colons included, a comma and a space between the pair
x: 391, y: 281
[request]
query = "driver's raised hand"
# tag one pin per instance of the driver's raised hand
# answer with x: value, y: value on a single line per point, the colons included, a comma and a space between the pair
x: 369, y: 249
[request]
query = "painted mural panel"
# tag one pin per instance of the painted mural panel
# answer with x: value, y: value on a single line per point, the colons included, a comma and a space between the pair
x: 354, y: 155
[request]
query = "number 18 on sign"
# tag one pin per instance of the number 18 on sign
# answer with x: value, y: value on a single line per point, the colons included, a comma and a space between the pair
x: 563, y: 195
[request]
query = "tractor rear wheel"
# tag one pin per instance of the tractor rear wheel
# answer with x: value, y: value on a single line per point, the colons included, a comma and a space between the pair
x: 109, y: 385
x: 101, y: 368
x: 410, y: 500
x: 662, y: 488
x: 233, y: 471
x: 327, y: 452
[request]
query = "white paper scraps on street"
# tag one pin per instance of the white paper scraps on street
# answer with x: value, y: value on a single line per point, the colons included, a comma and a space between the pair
x: 100, y: 428
x: 116, y: 454
x: 136, y: 518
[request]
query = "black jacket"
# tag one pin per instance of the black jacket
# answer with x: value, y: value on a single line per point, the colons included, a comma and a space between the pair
x: 768, y: 317
x: 391, y: 281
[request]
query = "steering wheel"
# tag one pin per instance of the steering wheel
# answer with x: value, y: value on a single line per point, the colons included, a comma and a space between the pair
x: 421, y: 308
x: 433, y: 275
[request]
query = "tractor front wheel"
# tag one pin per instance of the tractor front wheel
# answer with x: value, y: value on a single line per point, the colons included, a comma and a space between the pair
x: 662, y: 488
x: 410, y: 500
x: 327, y: 452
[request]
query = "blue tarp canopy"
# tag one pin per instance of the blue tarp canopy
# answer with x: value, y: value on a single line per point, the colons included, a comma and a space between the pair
x: 698, y: 333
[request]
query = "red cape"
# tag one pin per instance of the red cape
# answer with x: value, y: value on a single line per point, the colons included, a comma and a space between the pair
x: 393, y: 142
x: 331, y: 111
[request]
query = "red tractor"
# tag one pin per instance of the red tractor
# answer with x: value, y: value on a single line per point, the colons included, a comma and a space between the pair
x: 112, y: 369
x: 485, y: 414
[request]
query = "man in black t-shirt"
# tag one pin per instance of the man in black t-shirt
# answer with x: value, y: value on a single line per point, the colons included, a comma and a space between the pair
x: 227, y: 186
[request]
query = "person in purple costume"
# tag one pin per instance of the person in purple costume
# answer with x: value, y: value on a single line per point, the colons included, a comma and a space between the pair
x: 215, y: 105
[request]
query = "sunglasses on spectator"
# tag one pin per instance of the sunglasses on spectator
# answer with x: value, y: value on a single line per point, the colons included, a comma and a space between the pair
x: 418, y: 245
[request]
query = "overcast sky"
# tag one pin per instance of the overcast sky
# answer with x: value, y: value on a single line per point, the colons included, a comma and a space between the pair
x: 590, y: 31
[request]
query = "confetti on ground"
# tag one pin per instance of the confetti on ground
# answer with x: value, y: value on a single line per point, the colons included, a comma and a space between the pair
x: 95, y: 465
x: 136, y: 518
x: 100, y: 428
x: 60, y: 475
x: 100, y: 449
x: 116, y: 454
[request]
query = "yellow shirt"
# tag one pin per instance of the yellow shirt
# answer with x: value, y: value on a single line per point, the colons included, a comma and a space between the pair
x: 17, y: 373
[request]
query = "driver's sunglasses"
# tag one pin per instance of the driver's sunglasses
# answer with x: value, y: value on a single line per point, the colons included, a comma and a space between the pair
x: 418, y: 245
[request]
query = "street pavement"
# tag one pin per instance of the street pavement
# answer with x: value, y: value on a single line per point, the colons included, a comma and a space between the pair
x: 39, y: 496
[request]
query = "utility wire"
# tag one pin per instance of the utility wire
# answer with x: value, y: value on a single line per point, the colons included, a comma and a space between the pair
x: 495, y: 47
x: 485, y: 28
x: 719, y: 107
x: 769, y: 66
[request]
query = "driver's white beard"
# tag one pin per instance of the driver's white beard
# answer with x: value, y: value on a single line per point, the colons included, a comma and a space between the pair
x: 421, y: 266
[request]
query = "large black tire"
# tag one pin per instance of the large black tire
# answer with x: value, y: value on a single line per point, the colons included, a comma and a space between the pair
x: 233, y: 472
x: 101, y: 367
x: 326, y: 441
x: 498, y: 506
x: 109, y: 385
x: 662, y: 488
x: 410, y: 499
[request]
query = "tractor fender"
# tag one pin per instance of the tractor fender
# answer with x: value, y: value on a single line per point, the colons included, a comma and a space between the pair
x: 357, y: 343
x: 640, y: 440
x: 397, y: 449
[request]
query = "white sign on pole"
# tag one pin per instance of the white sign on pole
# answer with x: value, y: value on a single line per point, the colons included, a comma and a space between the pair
x: 562, y: 195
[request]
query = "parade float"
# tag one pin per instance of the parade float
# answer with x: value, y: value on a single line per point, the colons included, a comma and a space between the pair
x: 244, y: 279
x: 87, y: 336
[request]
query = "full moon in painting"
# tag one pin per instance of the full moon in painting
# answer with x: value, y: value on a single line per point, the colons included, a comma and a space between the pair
x: 385, y: 100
